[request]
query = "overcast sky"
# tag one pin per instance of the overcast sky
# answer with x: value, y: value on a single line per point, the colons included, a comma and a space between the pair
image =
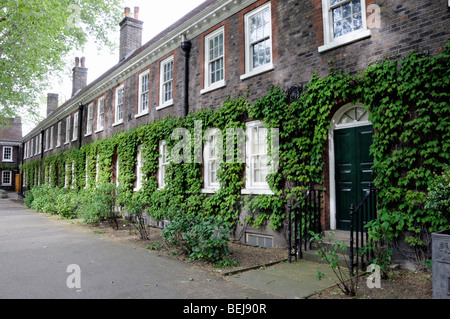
x: 156, y: 15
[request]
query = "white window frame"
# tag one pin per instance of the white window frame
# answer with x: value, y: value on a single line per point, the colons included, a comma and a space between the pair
x: 75, y: 127
x: 67, y: 130
x: 139, y: 174
x: 25, y: 151
x: 9, y: 176
x: 46, y: 140
x: 162, y: 165
x: 59, y: 135
x: 10, y: 159
x: 209, y: 185
x: 252, y: 187
x: 30, y: 151
x: 89, y: 119
x: 36, y: 151
x: 207, y: 74
x: 117, y: 171
x: 117, y: 119
x: 249, y: 69
x: 100, y: 114
x: 39, y: 137
x: 50, y: 146
x: 162, y: 100
x: 141, y: 110
x: 330, y: 42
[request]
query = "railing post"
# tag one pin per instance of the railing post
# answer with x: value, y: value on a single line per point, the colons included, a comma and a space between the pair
x: 352, y: 211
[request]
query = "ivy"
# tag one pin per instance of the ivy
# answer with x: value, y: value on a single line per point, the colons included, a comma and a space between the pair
x: 408, y: 104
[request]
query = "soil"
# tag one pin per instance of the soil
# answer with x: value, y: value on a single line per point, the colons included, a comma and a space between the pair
x: 399, y: 284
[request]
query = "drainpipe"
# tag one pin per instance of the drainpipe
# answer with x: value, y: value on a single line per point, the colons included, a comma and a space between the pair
x: 80, y: 124
x: 186, y: 47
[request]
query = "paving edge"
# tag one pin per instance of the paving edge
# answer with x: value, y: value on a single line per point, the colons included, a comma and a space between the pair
x: 234, y: 272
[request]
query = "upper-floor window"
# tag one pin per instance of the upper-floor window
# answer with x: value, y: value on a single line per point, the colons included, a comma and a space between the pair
x: 166, y: 83
x: 214, y: 60
x: 90, y: 115
x: 100, y: 113
x: 119, y: 105
x: 58, y: 137
x: 67, y: 129
x: 258, y: 41
x: 144, y: 91
x: 344, y: 22
x: 39, y: 138
x: 47, y: 131
x: 7, y: 154
x: 75, y: 126
x: 50, y: 146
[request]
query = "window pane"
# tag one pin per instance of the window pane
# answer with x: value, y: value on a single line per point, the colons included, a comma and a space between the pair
x: 346, y: 17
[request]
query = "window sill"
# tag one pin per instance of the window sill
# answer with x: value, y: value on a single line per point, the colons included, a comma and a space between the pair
x: 7, y: 161
x: 141, y: 114
x: 215, y: 86
x: 256, y: 191
x: 209, y: 190
x: 164, y: 105
x: 345, y: 40
x: 118, y: 123
x: 99, y: 130
x: 87, y: 134
x: 260, y: 70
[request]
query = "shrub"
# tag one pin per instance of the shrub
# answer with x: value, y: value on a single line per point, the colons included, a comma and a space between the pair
x: 439, y: 194
x: 99, y: 204
x: 197, y: 238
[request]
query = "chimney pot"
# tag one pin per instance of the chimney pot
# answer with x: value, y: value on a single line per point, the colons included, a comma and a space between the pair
x: 136, y: 13
x: 127, y: 11
x: 83, y: 62
x: 77, y: 61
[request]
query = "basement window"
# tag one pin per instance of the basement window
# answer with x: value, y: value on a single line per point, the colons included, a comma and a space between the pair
x: 259, y: 240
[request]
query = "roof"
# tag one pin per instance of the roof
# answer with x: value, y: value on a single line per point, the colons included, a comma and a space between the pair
x: 11, y: 132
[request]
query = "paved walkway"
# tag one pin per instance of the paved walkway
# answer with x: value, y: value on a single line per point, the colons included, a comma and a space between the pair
x: 36, y: 250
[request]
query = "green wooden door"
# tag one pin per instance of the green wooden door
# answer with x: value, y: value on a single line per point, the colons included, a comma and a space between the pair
x: 353, y: 170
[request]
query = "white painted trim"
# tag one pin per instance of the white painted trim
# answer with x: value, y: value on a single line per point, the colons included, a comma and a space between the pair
x: 140, y: 111
x: 330, y: 42
x: 207, y: 85
x: 249, y: 70
x: 162, y: 103
x: 331, y: 159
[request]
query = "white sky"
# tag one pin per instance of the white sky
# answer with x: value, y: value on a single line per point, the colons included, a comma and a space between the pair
x: 157, y: 15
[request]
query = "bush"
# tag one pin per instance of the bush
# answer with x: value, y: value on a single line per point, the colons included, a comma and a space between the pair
x: 439, y: 194
x: 99, y: 204
x: 198, y: 239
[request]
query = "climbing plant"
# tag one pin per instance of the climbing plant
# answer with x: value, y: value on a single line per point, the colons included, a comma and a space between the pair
x: 408, y: 102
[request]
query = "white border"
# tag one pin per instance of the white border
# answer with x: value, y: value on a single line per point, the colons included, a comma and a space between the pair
x: 331, y: 160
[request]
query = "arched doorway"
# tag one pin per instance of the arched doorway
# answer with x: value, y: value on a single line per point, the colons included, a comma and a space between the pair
x: 350, y: 161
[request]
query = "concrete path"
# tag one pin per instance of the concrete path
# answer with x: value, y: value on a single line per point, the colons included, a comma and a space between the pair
x: 36, y: 251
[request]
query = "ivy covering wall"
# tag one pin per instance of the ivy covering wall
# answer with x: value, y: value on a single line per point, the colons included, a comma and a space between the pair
x: 408, y: 101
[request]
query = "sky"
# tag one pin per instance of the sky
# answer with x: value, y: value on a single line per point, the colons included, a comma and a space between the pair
x: 157, y: 15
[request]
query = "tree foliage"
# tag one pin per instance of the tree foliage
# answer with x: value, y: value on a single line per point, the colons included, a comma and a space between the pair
x: 35, y: 39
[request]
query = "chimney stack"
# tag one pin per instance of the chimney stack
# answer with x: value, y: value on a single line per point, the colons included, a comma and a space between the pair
x: 79, y: 79
x: 130, y: 33
x: 52, y: 103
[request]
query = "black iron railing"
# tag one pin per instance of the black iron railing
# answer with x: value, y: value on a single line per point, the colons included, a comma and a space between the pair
x: 360, y: 252
x: 304, y: 216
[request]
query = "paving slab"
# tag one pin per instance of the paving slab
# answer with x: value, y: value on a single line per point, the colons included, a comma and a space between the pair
x: 289, y: 280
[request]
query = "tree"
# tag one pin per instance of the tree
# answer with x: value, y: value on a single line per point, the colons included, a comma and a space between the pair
x: 36, y: 37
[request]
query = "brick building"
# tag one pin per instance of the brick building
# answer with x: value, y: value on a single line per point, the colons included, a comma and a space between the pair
x: 10, y: 146
x: 224, y: 47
